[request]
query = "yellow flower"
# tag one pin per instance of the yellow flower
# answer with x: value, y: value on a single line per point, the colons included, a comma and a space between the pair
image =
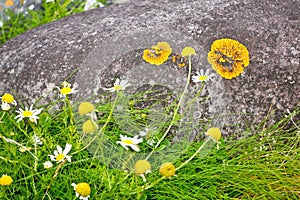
x: 83, y: 190
x: 88, y: 109
x: 5, y: 180
x: 228, y: 57
x: 214, y: 133
x: 187, y: 51
x: 89, y: 126
x: 141, y: 168
x: 157, y: 54
x: 7, y: 99
x: 167, y: 169
x: 85, y: 108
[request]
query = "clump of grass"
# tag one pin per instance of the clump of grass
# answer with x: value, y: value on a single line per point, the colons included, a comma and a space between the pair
x: 16, y: 23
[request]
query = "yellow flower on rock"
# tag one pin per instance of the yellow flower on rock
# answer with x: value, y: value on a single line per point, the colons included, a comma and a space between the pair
x: 6, y: 100
x: 187, y: 51
x: 157, y: 54
x: 5, y: 180
x: 167, y: 169
x: 83, y: 190
x: 228, y: 57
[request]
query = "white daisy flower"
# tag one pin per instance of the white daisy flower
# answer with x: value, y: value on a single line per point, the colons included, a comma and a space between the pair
x: 60, y: 155
x: 130, y: 142
x: 48, y: 164
x: 202, y: 77
x: 37, y: 140
x: 83, y: 190
x: 7, y: 99
x: 67, y: 89
x: 28, y: 113
x: 118, y: 85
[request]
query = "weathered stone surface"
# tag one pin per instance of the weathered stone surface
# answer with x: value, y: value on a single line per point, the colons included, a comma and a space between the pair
x: 97, y: 42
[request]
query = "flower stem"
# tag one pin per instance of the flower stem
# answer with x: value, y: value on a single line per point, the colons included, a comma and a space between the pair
x: 196, y: 152
x: 102, y: 129
x: 175, y: 110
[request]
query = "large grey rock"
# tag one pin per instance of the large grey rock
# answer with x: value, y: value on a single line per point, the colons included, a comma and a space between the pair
x: 106, y: 43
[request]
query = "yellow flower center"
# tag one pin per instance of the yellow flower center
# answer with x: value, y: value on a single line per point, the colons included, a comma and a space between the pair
x: 117, y: 87
x: 85, y: 108
x: 60, y: 156
x: 167, y: 169
x: 7, y: 98
x: 66, y: 90
x: 127, y: 141
x: 203, y: 78
x: 27, y: 113
x: 83, y: 189
x: 142, y: 167
x: 5, y: 180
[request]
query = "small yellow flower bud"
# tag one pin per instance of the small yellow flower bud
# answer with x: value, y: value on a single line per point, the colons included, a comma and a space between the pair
x: 214, y: 133
x: 167, y: 169
x: 89, y: 126
x: 187, y: 51
x: 142, y: 167
x: 5, y: 180
x: 85, y: 108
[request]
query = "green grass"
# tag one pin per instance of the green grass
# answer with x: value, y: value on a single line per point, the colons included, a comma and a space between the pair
x: 21, y: 22
x: 263, y: 165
